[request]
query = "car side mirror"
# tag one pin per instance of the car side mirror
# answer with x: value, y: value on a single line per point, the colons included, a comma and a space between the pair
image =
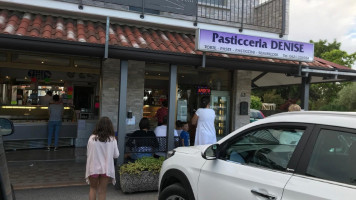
x: 6, y: 127
x: 211, y: 153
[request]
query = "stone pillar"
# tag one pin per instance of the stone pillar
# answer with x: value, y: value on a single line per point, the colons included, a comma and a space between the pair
x: 241, y: 92
x: 135, y: 90
x: 110, y: 78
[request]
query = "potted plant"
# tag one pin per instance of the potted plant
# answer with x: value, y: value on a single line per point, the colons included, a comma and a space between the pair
x: 141, y: 175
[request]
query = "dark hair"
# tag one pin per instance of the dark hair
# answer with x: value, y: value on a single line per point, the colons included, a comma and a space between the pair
x: 165, y: 120
x: 144, y: 123
x: 184, y: 123
x: 104, y: 130
x: 205, y: 101
x: 165, y: 103
x: 179, y: 124
x: 56, y: 97
x: 49, y: 93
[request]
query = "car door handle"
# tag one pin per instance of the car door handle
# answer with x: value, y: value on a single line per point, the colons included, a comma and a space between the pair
x: 267, y: 196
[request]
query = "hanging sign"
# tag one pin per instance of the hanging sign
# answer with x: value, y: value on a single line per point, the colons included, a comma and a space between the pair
x: 203, y: 90
x: 231, y: 43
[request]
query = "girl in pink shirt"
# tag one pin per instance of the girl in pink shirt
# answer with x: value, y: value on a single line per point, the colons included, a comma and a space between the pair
x: 101, y: 151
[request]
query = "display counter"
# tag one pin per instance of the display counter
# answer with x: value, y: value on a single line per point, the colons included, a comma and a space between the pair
x: 29, y: 135
x: 32, y: 113
x: 30, y: 123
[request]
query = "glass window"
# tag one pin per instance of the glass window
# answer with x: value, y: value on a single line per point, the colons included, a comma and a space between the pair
x: 267, y: 147
x: 334, y: 157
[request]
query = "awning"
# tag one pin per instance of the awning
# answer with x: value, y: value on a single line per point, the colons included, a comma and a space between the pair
x: 35, y: 30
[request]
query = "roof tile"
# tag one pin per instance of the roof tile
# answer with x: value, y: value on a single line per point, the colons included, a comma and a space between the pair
x: 47, y: 26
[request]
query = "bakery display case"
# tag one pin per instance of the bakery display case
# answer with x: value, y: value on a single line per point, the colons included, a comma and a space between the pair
x: 220, y: 103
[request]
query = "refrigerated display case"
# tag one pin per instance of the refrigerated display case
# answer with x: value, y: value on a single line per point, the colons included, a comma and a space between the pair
x: 220, y: 102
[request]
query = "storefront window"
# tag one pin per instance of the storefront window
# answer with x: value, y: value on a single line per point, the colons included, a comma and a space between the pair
x: 155, y: 90
x: 26, y: 84
x: 194, y: 83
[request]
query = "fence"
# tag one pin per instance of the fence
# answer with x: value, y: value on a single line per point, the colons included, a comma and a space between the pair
x: 260, y: 13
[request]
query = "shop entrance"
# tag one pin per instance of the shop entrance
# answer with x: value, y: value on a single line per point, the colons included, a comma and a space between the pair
x: 25, y: 78
x: 193, y: 83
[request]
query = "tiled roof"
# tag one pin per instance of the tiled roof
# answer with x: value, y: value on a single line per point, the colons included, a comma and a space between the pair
x: 70, y: 29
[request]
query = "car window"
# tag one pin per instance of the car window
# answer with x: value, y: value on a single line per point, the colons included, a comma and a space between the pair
x: 334, y: 157
x: 266, y: 147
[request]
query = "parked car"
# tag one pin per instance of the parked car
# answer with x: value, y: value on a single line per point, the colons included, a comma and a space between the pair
x: 255, y: 115
x: 6, y: 191
x: 287, y: 156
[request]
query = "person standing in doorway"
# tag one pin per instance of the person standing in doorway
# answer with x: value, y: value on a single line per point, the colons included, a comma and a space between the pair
x: 204, y: 120
x: 101, y: 151
x: 55, y: 121
x: 162, y: 112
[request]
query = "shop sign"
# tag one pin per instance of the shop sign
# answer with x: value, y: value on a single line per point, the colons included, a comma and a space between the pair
x: 184, y: 7
x: 203, y: 90
x: 39, y: 74
x: 231, y: 43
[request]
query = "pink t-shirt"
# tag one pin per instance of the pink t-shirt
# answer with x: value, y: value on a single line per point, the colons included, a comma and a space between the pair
x: 100, y: 158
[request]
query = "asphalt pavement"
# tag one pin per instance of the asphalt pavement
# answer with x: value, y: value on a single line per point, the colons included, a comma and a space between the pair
x: 79, y: 193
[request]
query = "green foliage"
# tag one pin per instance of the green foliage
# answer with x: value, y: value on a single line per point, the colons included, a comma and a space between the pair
x: 347, y: 97
x: 340, y: 57
x: 143, y: 164
x: 256, y: 102
x: 321, y: 47
x: 273, y: 97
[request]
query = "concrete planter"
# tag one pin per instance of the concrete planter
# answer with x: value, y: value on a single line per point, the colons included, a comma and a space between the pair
x: 145, y: 181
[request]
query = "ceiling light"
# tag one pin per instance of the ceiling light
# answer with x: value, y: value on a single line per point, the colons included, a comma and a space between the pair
x: 159, y: 74
x: 75, y: 65
x: 42, y: 62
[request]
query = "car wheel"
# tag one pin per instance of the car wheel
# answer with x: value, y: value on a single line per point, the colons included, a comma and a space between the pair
x: 174, y: 192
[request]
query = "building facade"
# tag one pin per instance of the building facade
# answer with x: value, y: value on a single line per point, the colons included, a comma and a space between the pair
x: 122, y: 59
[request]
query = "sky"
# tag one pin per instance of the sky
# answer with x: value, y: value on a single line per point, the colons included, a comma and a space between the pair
x: 324, y: 19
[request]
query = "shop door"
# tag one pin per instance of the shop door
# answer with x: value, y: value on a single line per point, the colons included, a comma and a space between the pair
x: 83, y: 97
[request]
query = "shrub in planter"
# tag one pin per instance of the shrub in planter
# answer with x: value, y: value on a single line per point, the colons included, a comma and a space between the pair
x: 141, y: 175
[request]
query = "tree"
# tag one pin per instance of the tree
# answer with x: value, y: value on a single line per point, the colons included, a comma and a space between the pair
x: 340, y: 57
x: 323, y: 94
x: 347, y: 97
x: 256, y: 102
x: 321, y: 47
x: 272, y: 97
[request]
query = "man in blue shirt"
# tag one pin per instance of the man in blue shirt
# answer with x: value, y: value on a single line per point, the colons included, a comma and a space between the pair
x: 184, y: 135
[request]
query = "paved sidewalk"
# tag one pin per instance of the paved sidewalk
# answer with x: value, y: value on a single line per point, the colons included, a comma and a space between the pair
x: 79, y: 193
x: 40, y: 175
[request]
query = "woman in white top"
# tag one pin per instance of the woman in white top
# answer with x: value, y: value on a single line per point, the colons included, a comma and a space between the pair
x: 101, y: 151
x: 204, y: 119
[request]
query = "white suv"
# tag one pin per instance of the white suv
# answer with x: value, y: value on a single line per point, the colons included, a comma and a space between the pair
x: 288, y: 156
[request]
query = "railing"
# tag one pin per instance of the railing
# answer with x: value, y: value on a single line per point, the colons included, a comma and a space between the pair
x: 259, y: 13
x: 262, y: 15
